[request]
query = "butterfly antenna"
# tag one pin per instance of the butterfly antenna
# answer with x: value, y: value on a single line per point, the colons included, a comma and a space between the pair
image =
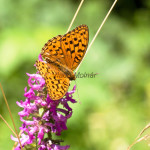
x: 98, y: 31
x: 77, y: 91
x: 75, y: 15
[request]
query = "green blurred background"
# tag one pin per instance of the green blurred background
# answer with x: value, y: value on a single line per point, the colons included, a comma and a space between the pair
x: 114, y: 105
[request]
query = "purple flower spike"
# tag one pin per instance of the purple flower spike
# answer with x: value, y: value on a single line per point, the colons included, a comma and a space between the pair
x: 42, y: 116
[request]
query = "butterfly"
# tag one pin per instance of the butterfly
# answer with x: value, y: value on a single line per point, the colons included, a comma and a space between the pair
x: 62, y: 55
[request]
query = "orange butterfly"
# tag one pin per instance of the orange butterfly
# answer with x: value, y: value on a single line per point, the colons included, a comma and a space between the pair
x: 62, y: 54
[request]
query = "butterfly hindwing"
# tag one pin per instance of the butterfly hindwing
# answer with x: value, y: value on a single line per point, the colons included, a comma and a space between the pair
x: 41, y: 67
x: 56, y: 81
x: 56, y: 86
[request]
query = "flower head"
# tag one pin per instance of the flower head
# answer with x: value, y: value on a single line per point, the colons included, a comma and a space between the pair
x: 41, y: 116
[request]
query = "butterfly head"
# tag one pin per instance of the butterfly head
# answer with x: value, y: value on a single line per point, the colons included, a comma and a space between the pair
x: 71, y: 77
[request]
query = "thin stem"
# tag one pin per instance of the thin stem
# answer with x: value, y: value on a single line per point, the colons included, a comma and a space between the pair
x: 75, y: 15
x: 147, y: 127
x: 77, y: 92
x: 11, y: 115
x: 8, y: 125
x: 138, y: 139
x: 98, y: 31
x: 16, y: 142
x: 36, y: 142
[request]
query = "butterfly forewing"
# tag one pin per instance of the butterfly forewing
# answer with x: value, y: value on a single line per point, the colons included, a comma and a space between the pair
x: 52, y: 50
x: 74, y: 45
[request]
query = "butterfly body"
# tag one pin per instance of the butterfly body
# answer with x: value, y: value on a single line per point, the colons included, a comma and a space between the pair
x: 62, y: 55
x: 68, y: 72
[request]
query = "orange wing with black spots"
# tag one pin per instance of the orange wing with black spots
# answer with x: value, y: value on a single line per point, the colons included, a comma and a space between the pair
x: 41, y: 67
x: 52, y: 50
x: 74, y: 45
x: 68, y: 49
x: 57, y: 83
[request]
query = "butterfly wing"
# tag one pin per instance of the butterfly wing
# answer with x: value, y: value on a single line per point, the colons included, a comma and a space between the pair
x: 57, y: 83
x: 56, y: 86
x: 68, y: 49
x: 74, y: 45
x: 52, y: 50
x: 41, y: 67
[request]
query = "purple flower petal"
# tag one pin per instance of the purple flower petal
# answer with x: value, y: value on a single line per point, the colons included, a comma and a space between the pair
x: 40, y: 58
x: 38, y: 79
